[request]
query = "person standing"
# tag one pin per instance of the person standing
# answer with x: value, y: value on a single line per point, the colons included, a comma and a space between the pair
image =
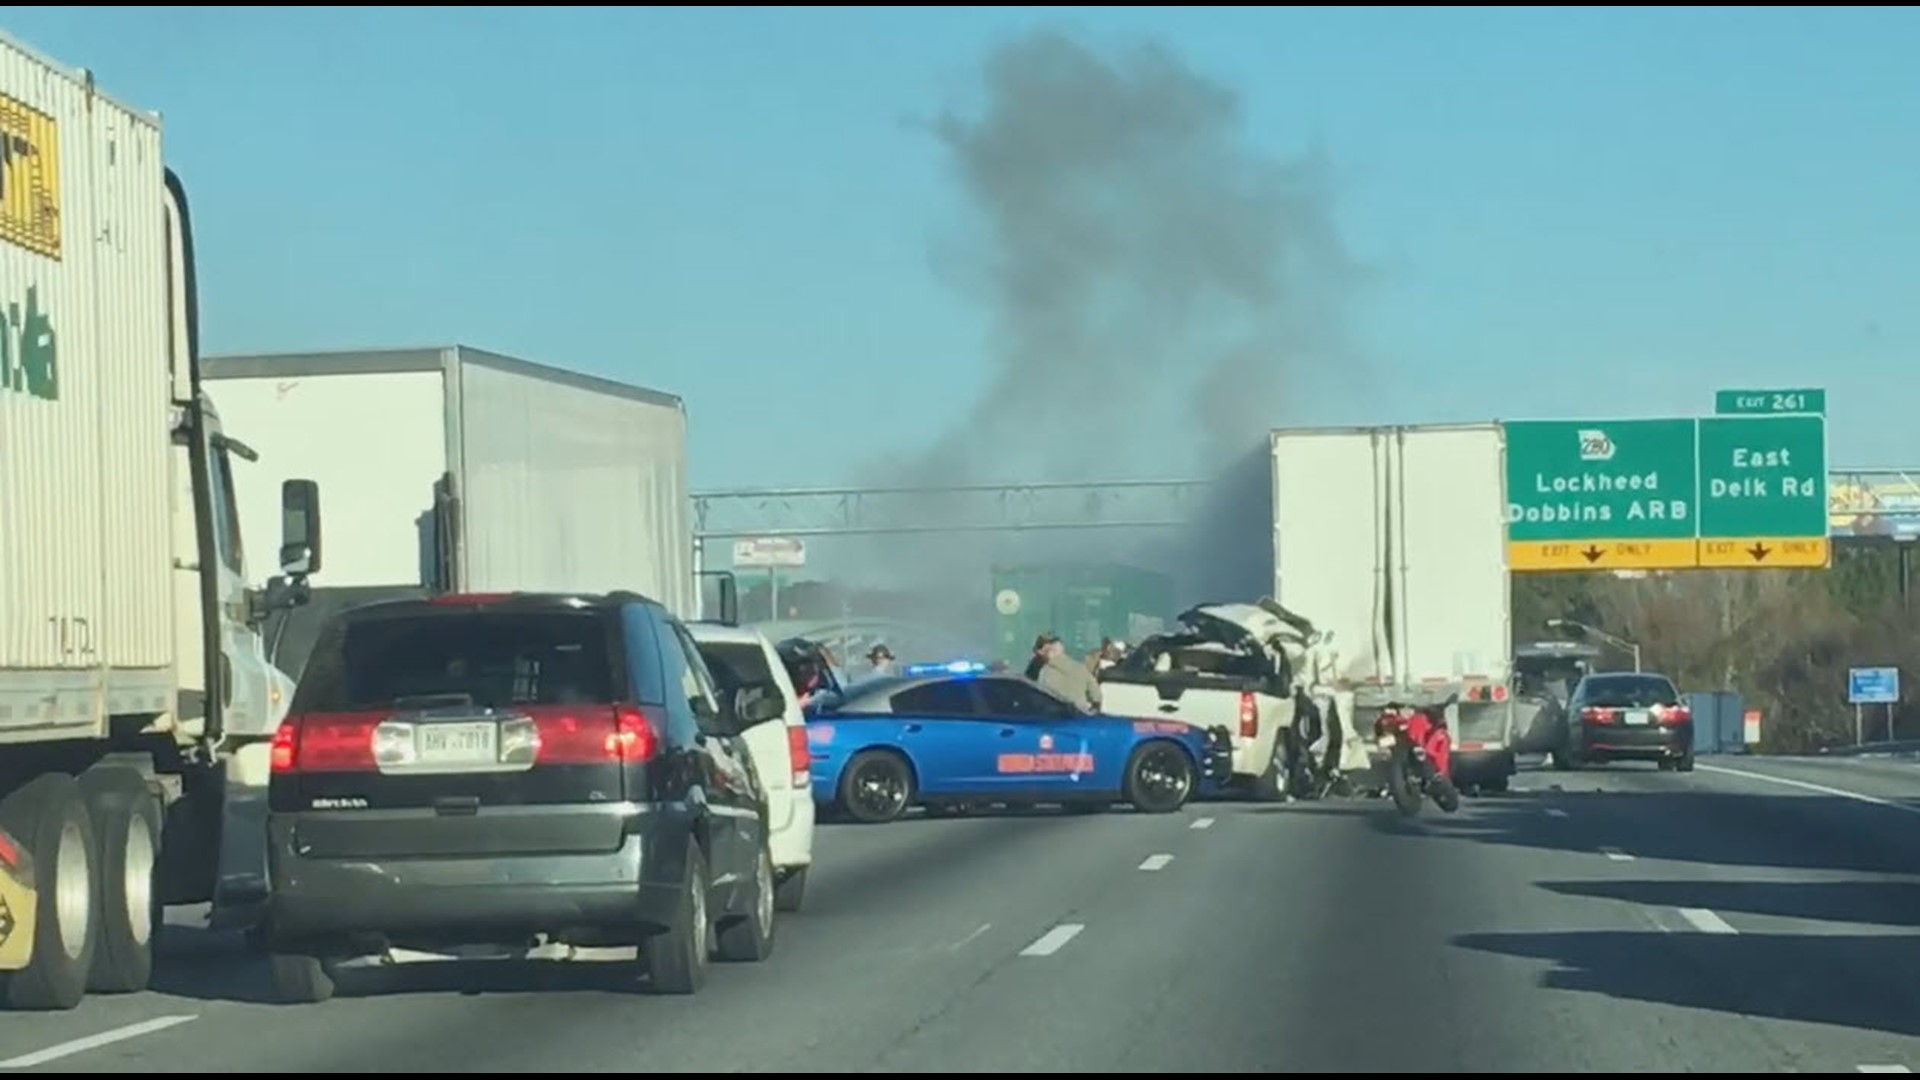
x: 1039, y: 658
x: 1070, y: 678
x: 880, y: 661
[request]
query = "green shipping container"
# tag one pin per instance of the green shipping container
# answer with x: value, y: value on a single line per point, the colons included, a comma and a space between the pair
x: 1082, y: 603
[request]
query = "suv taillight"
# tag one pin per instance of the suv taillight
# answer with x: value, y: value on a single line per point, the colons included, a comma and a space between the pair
x: 800, y: 756
x: 1249, y: 716
x: 344, y: 742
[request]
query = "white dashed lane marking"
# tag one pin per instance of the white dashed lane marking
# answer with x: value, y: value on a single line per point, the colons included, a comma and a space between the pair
x: 1156, y: 862
x: 1706, y: 921
x: 1053, y: 940
x: 1554, y: 811
x: 1201, y: 823
x: 1883, y: 1068
x: 93, y: 1042
x: 971, y: 938
x: 1616, y: 854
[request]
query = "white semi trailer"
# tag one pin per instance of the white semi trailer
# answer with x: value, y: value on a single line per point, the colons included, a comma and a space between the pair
x: 1394, y: 540
x: 460, y: 470
x: 132, y: 673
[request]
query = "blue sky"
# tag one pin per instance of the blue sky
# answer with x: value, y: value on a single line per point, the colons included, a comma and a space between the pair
x: 1579, y: 213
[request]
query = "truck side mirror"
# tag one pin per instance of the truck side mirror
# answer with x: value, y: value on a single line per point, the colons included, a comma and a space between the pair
x: 299, y: 528
x: 728, y: 588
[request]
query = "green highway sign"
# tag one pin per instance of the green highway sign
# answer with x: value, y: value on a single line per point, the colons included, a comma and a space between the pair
x: 1763, y: 491
x: 1750, y: 402
x: 1722, y: 492
x: 1581, y: 492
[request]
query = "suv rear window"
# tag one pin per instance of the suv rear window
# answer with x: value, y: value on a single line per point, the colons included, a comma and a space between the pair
x: 738, y: 664
x: 489, y: 660
x: 1630, y: 691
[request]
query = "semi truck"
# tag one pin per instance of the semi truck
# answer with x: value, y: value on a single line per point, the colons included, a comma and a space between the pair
x: 134, y: 685
x: 1392, y: 540
x: 454, y: 469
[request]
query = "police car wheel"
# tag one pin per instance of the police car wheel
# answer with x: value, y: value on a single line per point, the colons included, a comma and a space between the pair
x: 1159, y: 778
x: 877, y: 787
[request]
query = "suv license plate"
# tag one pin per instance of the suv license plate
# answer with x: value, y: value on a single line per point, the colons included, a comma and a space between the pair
x: 1638, y: 716
x: 457, y: 744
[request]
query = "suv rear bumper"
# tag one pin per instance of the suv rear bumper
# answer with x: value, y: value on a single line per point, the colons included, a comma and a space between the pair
x: 472, y: 898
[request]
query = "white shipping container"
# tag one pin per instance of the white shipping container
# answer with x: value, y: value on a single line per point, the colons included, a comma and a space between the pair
x: 557, y: 481
x: 85, y: 384
x: 1395, y: 540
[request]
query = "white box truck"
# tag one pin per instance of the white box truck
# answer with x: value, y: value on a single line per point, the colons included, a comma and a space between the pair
x: 1393, y: 539
x: 458, y: 470
x: 133, y: 685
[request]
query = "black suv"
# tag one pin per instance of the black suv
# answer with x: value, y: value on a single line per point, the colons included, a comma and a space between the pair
x: 511, y: 769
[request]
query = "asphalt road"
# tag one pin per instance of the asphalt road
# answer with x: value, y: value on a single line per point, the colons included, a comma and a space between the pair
x: 1758, y: 920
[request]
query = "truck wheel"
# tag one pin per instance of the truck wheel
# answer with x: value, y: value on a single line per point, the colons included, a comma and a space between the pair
x: 676, y: 959
x: 1271, y: 785
x: 749, y: 939
x: 792, y: 890
x: 49, y: 816
x: 301, y: 980
x: 126, y: 825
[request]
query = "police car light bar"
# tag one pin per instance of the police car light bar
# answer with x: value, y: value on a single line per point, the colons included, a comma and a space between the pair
x: 958, y: 667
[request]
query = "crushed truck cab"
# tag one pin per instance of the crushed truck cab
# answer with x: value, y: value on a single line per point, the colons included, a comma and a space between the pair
x: 1242, y: 673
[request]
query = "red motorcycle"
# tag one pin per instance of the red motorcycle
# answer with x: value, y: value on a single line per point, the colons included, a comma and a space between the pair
x: 1419, y: 756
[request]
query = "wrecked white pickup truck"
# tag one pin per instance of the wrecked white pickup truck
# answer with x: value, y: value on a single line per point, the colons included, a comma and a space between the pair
x: 1257, y: 673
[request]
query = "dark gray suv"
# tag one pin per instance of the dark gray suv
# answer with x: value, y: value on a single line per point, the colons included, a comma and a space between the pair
x: 511, y: 769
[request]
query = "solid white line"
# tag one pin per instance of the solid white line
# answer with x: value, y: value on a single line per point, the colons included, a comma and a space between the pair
x: 1156, y: 862
x: 1554, y: 811
x: 1616, y: 854
x: 1053, y: 940
x: 1201, y: 823
x: 1706, y: 921
x: 1818, y: 789
x: 1879, y: 1068
x: 94, y: 1042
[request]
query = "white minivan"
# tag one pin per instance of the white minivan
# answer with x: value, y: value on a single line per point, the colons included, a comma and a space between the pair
x: 740, y: 657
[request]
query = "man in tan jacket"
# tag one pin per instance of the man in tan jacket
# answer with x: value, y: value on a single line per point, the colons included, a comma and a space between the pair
x: 1069, y: 678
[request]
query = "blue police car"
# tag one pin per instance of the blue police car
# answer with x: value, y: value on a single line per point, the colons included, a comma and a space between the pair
x: 946, y: 735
